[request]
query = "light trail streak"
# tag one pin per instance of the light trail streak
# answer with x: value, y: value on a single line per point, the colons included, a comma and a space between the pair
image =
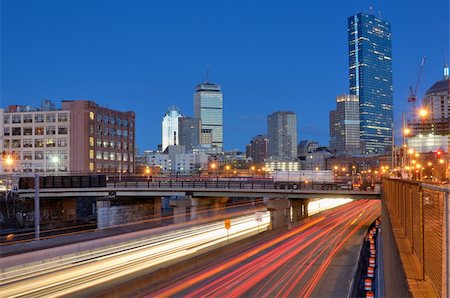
x: 119, y: 261
x: 262, y: 267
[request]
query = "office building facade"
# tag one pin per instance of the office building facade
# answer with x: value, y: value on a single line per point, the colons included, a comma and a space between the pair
x: 101, y: 139
x: 81, y: 137
x: 370, y: 76
x: 189, y: 130
x: 282, y: 135
x: 344, y: 126
x: 208, y: 107
x: 170, y: 134
x: 258, y: 149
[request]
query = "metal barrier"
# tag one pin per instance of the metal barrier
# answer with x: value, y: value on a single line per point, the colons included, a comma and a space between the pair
x: 422, y: 211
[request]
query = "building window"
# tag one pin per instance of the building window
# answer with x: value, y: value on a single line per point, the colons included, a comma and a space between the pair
x: 125, y: 134
x: 98, y: 154
x: 16, y: 131
x: 27, y: 118
x: 125, y: 157
x: 91, y: 141
x: 105, y: 144
x: 28, y: 131
x: 7, y: 119
x: 111, y: 144
x: 27, y: 143
x: 119, y: 121
x: 63, y: 154
x: 62, y: 117
x: 119, y: 133
x: 125, y: 122
x: 51, y: 130
x: 39, y: 131
x: 6, y: 131
x: 50, y: 142
x: 39, y: 118
x: 105, y: 131
x: 6, y: 143
x: 112, y: 132
x: 16, y: 118
x: 62, y: 142
x: 99, y: 117
x: 91, y: 115
x: 119, y: 145
x: 91, y: 154
x: 38, y: 155
x: 99, y: 130
x: 105, y: 118
x: 51, y: 117
x: 91, y: 129
x: 112, y: 156
x: 125, y: 146
x: 119, y: 156
x: 39, y: 143
x: 15, y: 143
x: 105, y: 155
x: 28, y: 155
x: 99, y: 143
x: 112, y: 120
x: 62, y: 130
x: 91, y: 165
x: 38, y: 167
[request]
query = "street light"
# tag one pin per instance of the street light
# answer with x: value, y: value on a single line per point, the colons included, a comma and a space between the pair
x: 227, y: 168
x: 147, y: 171
x: 423, y: 113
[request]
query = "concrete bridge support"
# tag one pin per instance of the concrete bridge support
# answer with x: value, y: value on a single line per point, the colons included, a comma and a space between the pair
x: 179, y: 210
x: 299, y: 209
x: 279, y: 212
x: 111, y: 211
x: 206, y: 207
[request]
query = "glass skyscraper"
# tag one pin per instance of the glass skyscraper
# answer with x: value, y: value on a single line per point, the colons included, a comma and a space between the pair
x: 370, y: 74
x: 208, y: 107
x: 344, y: 126
x: 170, y: 127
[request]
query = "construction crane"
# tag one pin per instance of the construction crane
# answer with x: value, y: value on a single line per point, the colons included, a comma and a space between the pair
x: 413, y: 92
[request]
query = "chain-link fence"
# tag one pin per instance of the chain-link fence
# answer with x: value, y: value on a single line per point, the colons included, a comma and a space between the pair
x: 422, y: 212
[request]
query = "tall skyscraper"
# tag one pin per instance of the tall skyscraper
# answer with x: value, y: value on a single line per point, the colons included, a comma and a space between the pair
x: 170, y: 127
x: 208, y: 107
x: 282, y: 135
x: 370, y: 75
x: 258, y: 149
x: 189, y: 132
x: 344, y: 126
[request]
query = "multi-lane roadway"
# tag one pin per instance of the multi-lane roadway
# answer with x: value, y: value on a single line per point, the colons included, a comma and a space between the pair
x: 296, y: 263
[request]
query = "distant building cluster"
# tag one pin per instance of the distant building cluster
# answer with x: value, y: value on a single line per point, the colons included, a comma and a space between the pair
x: 84, y: 137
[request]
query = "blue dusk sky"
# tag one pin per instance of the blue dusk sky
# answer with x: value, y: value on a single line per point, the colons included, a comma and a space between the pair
x: 145, y: 55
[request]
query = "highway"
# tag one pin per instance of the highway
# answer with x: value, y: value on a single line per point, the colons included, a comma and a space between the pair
x: 294, y: 263
x: 71, y: 274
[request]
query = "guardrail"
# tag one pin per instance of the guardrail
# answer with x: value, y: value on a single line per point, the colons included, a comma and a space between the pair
x: 422, y: 211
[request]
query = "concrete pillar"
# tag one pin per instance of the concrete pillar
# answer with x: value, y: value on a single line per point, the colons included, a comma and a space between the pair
x: 103, y: 209
x: 69, y: 209
x: 194, y: 206
x: 157, y: 209
x: 179, y: 210
x: 279, y: 212
x: 297, y: 210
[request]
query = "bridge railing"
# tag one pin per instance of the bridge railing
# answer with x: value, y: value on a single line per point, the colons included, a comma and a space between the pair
x: 422, y: 211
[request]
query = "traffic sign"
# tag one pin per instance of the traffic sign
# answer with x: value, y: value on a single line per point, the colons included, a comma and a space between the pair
x: 227, y: 224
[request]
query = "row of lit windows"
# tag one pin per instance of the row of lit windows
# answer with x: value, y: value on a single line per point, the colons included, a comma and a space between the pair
x: 105, y: 155
x: 110, y: 144
x: 38, y: 143
x: 38, y: 118
x: 38, y: 130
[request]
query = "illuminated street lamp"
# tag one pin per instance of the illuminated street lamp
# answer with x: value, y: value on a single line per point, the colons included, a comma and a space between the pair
x: 423, y: 113
x: 147, y: 171
x: 227, y: 168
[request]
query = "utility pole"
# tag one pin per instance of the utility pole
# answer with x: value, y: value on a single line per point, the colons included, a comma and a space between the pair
x: 37, y: 212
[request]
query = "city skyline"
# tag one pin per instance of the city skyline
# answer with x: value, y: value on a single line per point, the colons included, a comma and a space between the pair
x: 260, y: 59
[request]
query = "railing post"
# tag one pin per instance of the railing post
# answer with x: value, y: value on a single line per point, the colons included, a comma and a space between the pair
x: 148, y: 183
